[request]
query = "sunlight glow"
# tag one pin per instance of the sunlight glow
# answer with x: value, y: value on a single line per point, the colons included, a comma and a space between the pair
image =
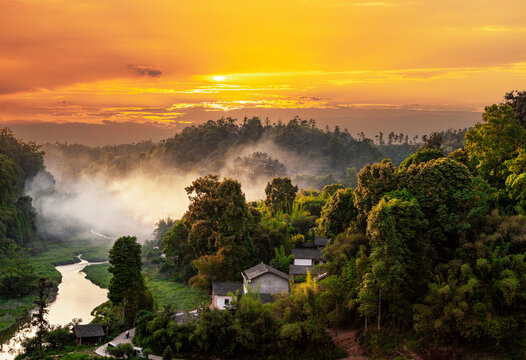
x: 219, y: 78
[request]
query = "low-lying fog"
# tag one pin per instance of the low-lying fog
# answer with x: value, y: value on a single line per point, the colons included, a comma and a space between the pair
x: 86, y: 204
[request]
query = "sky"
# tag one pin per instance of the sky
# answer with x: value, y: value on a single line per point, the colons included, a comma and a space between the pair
x: 110, y: 71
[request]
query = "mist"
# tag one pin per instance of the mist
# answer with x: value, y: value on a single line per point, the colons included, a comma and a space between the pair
x: 86, y: 204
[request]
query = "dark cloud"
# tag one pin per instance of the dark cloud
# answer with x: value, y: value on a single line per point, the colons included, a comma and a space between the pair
x: 146, y: 70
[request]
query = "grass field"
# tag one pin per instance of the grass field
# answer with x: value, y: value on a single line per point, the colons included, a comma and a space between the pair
x: 98, y: 274
x: 166, y: 292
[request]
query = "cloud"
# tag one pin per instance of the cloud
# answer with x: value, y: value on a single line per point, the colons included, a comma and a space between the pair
x: 146, y: 70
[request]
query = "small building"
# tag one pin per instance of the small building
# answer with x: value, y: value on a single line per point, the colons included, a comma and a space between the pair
x: 307, y: 256
x: 304, y: 260
x: 264, y: 279
x: 221, y: 291
x: 89, y: 333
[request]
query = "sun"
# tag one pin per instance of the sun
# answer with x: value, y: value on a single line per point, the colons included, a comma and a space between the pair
x: 219, y: 78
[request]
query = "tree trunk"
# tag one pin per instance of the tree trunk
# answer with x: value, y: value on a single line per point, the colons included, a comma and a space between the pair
x: 365, y: 323
x: 123, y: 309
x: 379, y: 308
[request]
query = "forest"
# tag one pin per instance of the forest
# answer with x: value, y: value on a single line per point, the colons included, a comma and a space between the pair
x: 426, y: 257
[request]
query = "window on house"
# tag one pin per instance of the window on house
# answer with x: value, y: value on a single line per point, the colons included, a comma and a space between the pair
x: 227, y: 301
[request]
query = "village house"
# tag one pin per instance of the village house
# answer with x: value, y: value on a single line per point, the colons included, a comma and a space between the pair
x: 89, y: 333
x: 221, y: 293
x: 304, y: 260
x: 264, y: 279
x: 261, y: 280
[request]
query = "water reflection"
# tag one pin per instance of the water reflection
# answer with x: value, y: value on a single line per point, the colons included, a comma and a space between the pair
x: 76, y: 298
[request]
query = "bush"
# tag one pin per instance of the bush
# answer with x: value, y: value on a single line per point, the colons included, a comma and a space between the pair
x: 122, y: 350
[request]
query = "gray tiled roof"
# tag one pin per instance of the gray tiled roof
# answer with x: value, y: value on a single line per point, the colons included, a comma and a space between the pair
x: 88, y: 330
x: 260, y: 269
x: 321, y: 241
x: 298, y: 269
x: 223, y: 288
x: 302, y: 253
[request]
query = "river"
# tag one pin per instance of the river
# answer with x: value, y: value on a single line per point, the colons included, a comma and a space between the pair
x: 76, y: 298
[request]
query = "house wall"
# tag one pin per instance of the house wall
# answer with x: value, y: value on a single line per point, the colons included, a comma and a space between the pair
x: 219, y: 301
x: 268, y: 284
x: 304, y: 262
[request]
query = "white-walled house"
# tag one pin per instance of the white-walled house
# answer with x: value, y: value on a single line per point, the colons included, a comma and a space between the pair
x: 221, y: 291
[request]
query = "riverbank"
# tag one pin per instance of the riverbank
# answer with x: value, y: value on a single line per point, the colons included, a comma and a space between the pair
x: 166, y: 292
x: 44, y: 257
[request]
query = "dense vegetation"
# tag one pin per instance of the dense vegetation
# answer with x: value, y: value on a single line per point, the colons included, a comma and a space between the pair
x: 432, y: 251
x: 18, y: 161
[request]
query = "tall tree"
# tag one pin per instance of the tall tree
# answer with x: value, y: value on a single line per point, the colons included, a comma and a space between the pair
x: 280, y: 194
x: 338, y: 213
x: 495, y: 140
x: 517, y: 100
x: 394, y: 226
x: 374, y: 181
x: 220, y: 223
x: 39, y: 316
x: 127, y: 288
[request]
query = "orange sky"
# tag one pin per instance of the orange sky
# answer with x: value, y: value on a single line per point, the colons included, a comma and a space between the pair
x: 175, y: 62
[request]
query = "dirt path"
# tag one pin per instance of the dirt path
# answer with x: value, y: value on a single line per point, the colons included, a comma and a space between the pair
x: 347, y: 340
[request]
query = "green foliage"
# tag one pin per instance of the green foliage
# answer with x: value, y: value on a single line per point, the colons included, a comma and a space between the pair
x: 98, y: 274
x: 516, y: 182
x: 338, y: 213
x: 280, y: 195
x: 394, y: 226
x: 443, y: 188
x: 27, y: 156
x: 373, y: 182
x: 494, y: 141
x: 420, y: 156
x: 281, y: 260
x: 127, y: 288
x: 121, y: 350
x: 17, y: 275
x: 177, y: 248
x: 220, y: 225
x: 9, y: 178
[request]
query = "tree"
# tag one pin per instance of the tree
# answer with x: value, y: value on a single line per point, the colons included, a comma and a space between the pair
x: 394, y: 226
x: 433, y: 141
x: 374, y: 181
x: 220, y: 224
x: 176, y: 247
x: 281, y: 260
x: 9, y: 175
x: 443, y: 188
x: 39, y: 316
x: 420, y: 156
x: 494, y: 141
x: 280, y: 194
x: 338, y: 213
x: 127, y: 288
x: 516, y: 182
x: 161, y: 228
x: 17, y: 275
x: 517, y: 100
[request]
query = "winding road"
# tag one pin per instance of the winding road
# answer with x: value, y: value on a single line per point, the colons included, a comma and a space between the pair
x: 121, y: 339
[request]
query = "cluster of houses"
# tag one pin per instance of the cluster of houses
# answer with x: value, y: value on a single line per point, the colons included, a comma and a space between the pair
x: 267, y: 281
